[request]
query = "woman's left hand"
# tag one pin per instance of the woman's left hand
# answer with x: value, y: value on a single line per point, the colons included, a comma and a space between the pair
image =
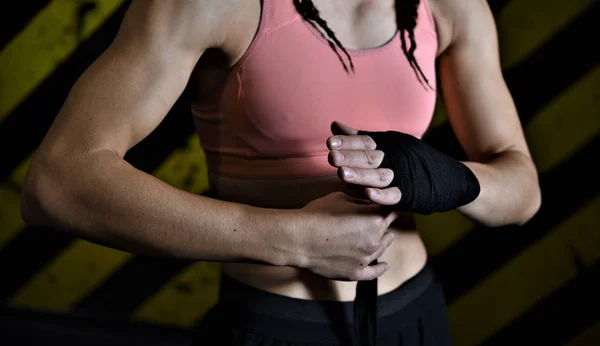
x: 357, y: 160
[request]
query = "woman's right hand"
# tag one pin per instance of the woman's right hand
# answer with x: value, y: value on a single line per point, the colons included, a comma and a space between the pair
x: 338, y: 236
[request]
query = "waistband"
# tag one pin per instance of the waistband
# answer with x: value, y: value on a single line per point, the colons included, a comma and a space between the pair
x: 245, y: 297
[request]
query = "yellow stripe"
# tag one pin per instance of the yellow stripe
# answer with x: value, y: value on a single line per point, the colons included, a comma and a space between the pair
x: 553, y: 135
x: 70, y: 276
x: 567, y: 124
x: 590, y: 336
x: 83, y: 266
x: 49, y: 38
x: 186, y: 168
x: 11, y: 222
x: 524, y: 26
x: 10, y: 214
x: 528, y: 278
x: 184, y: 300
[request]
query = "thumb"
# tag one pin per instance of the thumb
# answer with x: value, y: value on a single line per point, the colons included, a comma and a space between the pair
x: 338, y: 128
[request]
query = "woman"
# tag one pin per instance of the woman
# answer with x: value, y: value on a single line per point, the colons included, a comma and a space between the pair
x: 270, y: 80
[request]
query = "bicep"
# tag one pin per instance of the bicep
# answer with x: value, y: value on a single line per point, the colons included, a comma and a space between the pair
x: 129, y: 89
x: 480, y: 108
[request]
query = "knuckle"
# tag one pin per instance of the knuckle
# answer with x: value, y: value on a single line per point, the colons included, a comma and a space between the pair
x: 378, y: 221
x: 371, y: 157
x: 368, y: 142
x: 374, y: 244
x: 383, y: 176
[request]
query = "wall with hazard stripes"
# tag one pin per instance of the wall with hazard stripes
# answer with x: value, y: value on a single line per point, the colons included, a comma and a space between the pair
x: 536, y: 284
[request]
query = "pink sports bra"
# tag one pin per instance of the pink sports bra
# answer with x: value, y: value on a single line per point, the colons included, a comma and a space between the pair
x: 278, y: 102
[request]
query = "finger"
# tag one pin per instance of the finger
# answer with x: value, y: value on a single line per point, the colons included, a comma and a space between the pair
x: 368, y: 177
x: 338, y: 128
x: 372, y: 272
x: 386, y: 241
x: 389, y: 196
x: 355, y: 158
x: 352, y: 142
x: 389, y: 219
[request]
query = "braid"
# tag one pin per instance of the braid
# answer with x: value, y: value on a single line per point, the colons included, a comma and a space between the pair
x: 309, y: 12
x: 406, y: 19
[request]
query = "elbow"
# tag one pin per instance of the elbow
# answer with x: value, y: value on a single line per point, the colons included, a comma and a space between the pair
x: 532, y: 206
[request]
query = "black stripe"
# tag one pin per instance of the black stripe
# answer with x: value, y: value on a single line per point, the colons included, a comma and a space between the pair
x: 22, y: 132
x: 130, y: 286
x: 541, y: 77
x: 24, y: 129
x: 483, y: 250
x: 558, y: 318
x: 26, y: 254
x: 15, y: 16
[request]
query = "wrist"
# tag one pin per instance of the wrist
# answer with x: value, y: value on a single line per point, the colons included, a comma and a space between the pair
x: 287, y: 245
x: 277, y: 236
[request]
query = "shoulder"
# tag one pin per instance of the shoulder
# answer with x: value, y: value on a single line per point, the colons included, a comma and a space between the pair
x: 461, y: 20
x: 191, y: 23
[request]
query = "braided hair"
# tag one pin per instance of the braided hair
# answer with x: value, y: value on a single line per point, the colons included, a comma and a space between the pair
x: 406, y: 20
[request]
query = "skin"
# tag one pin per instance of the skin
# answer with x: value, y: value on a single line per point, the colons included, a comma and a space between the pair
x: 291, y: 236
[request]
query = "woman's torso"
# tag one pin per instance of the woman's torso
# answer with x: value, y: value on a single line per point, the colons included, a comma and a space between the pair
x: 373, y: 28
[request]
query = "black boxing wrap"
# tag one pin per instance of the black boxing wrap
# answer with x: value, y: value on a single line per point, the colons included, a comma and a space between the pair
x: 430, y: 181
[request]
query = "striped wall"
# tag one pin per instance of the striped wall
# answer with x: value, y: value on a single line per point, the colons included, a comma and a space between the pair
x: 536, y: 284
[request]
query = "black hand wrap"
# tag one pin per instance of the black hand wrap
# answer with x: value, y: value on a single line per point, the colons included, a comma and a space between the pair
x: 365, y: 312
x: 429, y: 181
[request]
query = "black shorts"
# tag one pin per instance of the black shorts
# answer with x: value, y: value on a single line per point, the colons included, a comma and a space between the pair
x: 412, y: 314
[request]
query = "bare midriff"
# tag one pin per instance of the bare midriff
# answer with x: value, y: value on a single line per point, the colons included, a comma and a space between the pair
x: 406, y: 255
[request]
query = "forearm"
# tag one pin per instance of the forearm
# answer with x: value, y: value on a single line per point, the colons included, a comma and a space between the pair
x: 510, y: 191
x: 105, y: 200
